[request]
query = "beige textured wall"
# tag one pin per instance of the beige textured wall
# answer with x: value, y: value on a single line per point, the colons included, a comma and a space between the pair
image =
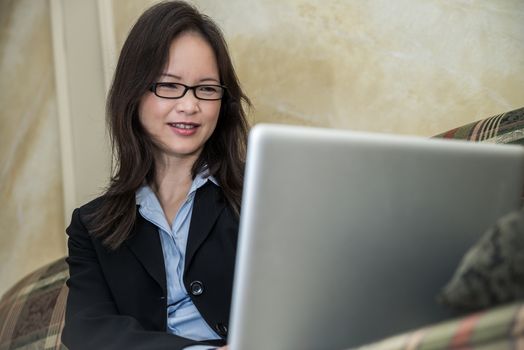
x: 403, y: 66
x: 31, y: 219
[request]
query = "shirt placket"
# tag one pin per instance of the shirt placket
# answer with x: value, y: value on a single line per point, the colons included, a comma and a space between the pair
x: 179, y: 240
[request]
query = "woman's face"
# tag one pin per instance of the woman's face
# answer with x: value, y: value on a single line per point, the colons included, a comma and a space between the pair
x: 181, y: 127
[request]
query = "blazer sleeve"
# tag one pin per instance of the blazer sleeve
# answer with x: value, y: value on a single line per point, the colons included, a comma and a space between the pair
x: 92, y: 320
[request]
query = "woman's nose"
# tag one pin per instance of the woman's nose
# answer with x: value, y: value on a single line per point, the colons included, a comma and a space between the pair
x: 188, y: 103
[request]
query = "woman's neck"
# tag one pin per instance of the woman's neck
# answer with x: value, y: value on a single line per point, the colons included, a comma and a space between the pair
x: 173, y: 179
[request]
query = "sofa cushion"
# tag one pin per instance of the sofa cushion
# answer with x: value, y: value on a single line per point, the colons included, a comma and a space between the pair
x: 503, y: 128
x: 32, y: 311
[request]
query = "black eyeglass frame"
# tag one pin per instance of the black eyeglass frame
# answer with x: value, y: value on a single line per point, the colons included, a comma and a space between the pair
x: 154, y: 86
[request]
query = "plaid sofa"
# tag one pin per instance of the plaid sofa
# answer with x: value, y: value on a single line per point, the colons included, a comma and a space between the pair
x: 500, y: 328
x: 502, y: 128
x: 32, y: 311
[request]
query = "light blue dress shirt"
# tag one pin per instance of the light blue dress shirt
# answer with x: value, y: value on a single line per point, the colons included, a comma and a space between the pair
x: 183, y: 318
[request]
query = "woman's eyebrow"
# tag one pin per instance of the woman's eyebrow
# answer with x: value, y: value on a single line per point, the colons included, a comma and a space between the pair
x: 210, y: 79
x: 170, y: 76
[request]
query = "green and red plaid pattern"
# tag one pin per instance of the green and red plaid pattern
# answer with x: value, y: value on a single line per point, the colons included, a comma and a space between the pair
x: 32, y: 311
x: 503, y: 128
x: 500, y: 328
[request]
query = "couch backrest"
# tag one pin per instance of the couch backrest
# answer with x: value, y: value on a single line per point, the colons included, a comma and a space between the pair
x: 503, y: 128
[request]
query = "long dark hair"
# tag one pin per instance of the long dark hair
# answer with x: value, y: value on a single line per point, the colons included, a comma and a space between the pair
x: 143, y: 56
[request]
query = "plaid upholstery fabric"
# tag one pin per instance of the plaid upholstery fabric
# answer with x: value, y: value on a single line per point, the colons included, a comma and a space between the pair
x: 32, y: 311
x: 503, y: 128
x: 501, y: 328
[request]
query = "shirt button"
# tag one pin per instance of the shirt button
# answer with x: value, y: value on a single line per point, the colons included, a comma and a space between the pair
x: 196, y: 287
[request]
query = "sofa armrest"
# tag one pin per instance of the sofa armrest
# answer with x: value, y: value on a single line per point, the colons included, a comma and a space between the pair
x: 498, y: 328
x: 32, y: 311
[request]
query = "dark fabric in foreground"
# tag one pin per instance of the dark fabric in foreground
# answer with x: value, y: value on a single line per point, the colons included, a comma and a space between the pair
x: 492, y: 271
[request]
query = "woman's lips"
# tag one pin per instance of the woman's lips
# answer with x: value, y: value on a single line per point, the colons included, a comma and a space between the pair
x: 184, y: 129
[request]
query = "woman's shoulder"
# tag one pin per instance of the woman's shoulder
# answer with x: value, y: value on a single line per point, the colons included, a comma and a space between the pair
x: 92, y: 206
x: 81, y: 215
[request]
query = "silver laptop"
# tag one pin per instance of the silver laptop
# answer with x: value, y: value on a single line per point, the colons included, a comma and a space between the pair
x: 348, y: 237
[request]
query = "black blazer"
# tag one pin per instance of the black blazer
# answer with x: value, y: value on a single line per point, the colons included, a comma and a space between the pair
x: 118, y: 299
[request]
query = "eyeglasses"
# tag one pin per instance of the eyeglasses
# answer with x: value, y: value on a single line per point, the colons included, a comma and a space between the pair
x: 177, y: 90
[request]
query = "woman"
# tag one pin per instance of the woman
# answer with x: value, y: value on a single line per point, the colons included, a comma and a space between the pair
x: 151, y: 261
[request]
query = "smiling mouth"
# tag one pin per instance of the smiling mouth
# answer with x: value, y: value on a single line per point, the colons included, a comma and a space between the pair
x: 185, y: 126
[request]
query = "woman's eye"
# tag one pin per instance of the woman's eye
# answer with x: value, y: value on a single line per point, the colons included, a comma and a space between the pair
x: 208, y: 89
x: 171, y: 86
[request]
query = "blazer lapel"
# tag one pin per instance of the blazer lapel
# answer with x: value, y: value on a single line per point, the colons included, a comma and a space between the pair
x: 145, y: 245
x: 207, y: 206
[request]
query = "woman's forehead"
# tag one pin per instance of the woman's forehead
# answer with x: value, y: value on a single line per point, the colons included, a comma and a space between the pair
x: 191, y: 57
